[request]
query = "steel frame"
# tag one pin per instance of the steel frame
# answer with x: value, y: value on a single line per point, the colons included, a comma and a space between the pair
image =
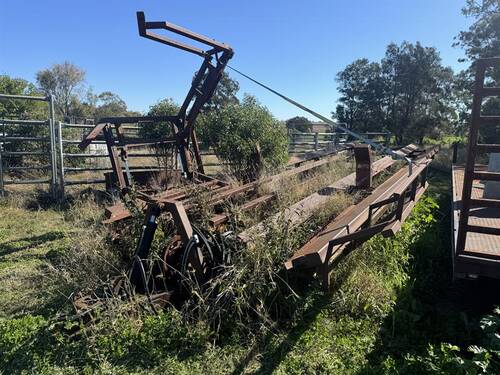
x: 177, y: 203
x: 202, y: 88
x: 466, y: 261
x: 398, y: 194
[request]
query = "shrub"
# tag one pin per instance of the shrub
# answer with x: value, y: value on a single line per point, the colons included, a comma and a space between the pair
x: 158, y: 130
x: 244, y: 135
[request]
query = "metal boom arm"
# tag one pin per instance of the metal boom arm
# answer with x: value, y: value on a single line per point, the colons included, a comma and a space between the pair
x: 201, y: 91
x: 202, y: 87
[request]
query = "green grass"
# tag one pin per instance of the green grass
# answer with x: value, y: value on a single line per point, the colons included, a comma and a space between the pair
x: 29, y: 241
x: 393, y: 310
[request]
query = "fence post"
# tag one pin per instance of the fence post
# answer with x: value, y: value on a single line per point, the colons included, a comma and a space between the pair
x: 61, y: 160
x: 2, y: 145
x: 455, y: 153
x: 52, y: 146
x: 316, y: 141
x: 1, y: 168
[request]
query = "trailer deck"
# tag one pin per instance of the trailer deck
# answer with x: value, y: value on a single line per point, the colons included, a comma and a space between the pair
x: 476, y: 219
x: 481, y: 255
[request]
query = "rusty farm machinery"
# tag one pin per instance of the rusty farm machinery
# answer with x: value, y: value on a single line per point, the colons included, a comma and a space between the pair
x: 195, y: 253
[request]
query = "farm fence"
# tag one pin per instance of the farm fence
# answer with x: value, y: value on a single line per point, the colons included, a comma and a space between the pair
x: 45, y: 151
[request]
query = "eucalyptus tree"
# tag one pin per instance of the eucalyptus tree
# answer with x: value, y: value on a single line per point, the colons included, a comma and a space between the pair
x: 65, y: 82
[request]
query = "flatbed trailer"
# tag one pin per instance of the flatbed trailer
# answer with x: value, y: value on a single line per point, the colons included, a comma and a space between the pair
x: 481, y: 255
x: 476, y: 216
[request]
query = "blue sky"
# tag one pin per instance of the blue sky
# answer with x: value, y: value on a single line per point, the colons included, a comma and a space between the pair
x: 294, y: 46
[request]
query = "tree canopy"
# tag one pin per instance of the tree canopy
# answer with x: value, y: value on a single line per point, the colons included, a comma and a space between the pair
x: 407, y: 92
x: 65, y: 82
x: 20, y: 108
x: 299, y: 123
x: 482, y: 39
x: 164, y: 107
x: 225, y: 93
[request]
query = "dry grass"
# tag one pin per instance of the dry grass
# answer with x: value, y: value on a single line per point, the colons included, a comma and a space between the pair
x: 252, y: 285
x: 253, y: 291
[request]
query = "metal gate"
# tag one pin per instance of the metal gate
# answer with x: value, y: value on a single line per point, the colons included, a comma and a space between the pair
x: 77, y: 167
x: 28, y: 147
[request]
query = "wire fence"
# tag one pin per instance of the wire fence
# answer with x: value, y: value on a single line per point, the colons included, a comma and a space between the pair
x: 45, y: 151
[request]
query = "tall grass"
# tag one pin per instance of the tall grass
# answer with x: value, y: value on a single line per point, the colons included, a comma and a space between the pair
x: 252, y: 316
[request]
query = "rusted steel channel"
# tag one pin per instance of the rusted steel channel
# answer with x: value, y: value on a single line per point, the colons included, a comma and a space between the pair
x: 220, y: 191
x: 305, y: 208
x: 299, y: 212
x: 360, y: 222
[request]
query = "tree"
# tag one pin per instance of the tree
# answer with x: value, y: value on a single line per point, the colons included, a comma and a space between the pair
x: 159, y: 130
x: 407, y: 93
x: 483, y: 37
x: 63, y: 81
x: 247, y: 138
x: 418, y: 89
x: 299, y: 123
x: 224, y: 94
x: 22, y: 109
x: 361, y: 104
x: 481, y: 40
x: 109, y: 104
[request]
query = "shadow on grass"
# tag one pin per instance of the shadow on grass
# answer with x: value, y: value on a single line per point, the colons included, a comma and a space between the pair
x: 431, y: 308
x: 271, y: 355
x: 14, y: 246
x: 40, y: 199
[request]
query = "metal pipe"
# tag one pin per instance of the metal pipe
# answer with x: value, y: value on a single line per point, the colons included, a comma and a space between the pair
x: 77, y: 126
x: 70, y: 155
x: 23, y: 122
x: 26, y: 182
x: 132, y: 120
x: 85, y: 126
x: 61, y: 159
x: 77, y: 142
x: 14, y: 139
x: 53, y: 157
x: 23, y: 153
x: 144, y: 143
x: 109, y: 169
x: 27, y: 168
x: 8, y: 96
x: 147, y: 155
x: 106, y: 155
x: 84, y: 182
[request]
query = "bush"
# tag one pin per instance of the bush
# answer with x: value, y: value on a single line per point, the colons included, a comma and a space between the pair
x: 246, y: 137
x: 159, y: 130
